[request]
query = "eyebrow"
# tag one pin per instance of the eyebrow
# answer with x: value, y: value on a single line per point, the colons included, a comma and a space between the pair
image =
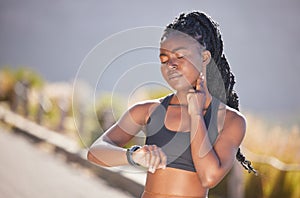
x: 162, y: 54
x: 179, y: 48
x: 174, y: 50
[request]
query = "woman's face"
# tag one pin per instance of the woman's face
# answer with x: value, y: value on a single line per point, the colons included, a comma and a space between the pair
x: 181, y: 61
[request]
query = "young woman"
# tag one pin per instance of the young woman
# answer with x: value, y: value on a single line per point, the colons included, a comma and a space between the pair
x: 193, y: 135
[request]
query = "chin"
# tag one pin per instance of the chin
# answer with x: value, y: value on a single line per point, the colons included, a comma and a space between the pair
x: 181, y: 88
x: 182, y: 85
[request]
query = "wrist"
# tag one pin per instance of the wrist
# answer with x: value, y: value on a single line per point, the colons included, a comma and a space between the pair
x: 196, y: 115
x: 197, y: 112
x: 196, y: 119
x: 129, y: 153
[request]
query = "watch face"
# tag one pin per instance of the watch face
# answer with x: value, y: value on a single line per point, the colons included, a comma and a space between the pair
x: 134, y: 148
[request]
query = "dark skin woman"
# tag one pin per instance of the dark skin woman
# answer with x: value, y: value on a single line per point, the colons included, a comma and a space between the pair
x: 193, y: 135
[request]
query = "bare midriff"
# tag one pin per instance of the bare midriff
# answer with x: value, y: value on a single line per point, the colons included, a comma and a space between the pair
x: 172, y: 182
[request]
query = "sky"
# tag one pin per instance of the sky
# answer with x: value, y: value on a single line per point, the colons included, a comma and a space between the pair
x: 261, y: 42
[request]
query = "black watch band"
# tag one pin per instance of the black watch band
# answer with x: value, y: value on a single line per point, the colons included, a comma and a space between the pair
x: 129, y: 155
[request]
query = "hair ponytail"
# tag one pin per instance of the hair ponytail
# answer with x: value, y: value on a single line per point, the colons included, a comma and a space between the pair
x: 201, y: 27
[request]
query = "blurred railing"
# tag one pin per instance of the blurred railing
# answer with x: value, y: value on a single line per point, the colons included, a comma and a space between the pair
x: 272, y: 161
x: 70, y: 148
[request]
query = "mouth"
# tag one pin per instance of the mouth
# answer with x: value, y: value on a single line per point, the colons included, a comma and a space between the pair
x: 174, y: 76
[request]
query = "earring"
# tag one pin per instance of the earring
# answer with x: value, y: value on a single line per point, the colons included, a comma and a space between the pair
x: 201, y: 76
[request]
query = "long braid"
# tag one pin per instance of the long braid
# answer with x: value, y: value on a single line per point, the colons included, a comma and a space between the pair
x: 201, y: 27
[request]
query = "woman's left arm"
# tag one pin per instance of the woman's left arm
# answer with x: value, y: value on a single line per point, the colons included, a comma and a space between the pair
x: 213, y: 162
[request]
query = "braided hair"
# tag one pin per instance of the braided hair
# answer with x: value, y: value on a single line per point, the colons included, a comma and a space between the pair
x: 202, y: 28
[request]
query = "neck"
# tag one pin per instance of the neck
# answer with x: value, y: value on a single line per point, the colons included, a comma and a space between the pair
x: 181, y: 99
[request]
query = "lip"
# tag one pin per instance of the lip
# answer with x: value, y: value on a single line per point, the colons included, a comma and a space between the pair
x: 174, y: 75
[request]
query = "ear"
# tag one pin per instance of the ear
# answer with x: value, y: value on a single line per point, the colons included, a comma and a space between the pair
x: 206, y: 57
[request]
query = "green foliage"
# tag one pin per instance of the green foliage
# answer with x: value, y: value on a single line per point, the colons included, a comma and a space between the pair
x: 30, y: 76
x: 100, y: 117
x: 9, y: 77
x: 279, y: 142
x: 7, y: 82
x: 221, y: 190
x: 155, y: 93
x: 51, y: 118
x: 272, y: 183
x: 253, y: 186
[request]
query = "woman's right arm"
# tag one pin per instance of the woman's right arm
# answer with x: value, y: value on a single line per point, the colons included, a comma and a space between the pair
x: 108, y: 149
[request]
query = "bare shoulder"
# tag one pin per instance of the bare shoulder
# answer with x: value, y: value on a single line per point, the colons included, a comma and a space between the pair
x: 235, y: 124
x: 141, y: 111
x: 235, y: 116
x: 145, y: 105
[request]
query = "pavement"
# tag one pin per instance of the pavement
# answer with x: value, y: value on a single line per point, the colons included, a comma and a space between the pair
x: 37, y: 162
x: 29, y: 170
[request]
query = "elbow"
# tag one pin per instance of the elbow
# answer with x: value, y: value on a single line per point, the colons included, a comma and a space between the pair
x: 209, y: 184
x: 209, y: 181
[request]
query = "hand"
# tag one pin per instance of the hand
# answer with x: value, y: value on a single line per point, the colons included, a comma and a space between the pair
x: 150, y: 156
x: 196, y: 97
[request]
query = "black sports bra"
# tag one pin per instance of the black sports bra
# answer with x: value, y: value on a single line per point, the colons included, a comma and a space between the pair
x: 176, y: 145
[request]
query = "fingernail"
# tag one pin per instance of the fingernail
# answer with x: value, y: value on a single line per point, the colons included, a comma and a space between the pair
x: 151, y: 170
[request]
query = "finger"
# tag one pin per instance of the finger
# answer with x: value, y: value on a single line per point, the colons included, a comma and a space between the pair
x: 147, y: 155
x: 198, y: 84
x: 147, y: 158
x: 191, y: 91
x: 163, y: 159
x: 190, y: 94
x: 156, y: 160
x: 152, y: 158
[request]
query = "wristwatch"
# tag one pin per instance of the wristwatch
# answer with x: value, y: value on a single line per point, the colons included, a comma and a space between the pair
x: 129, y: 153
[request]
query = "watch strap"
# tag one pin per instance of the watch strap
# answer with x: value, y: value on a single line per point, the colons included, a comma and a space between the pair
x: 129, y: 153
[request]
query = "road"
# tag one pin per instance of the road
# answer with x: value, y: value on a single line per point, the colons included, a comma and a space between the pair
x: 29, y: 171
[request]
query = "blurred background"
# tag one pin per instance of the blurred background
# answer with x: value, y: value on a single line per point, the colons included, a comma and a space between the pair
x: 43, y: 45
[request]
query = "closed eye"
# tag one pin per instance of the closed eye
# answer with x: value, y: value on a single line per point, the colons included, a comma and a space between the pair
x: 179, y: 55
x: 163, y: 58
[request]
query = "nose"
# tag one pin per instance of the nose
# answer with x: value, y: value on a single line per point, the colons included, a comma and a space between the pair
x: 172, y: 64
